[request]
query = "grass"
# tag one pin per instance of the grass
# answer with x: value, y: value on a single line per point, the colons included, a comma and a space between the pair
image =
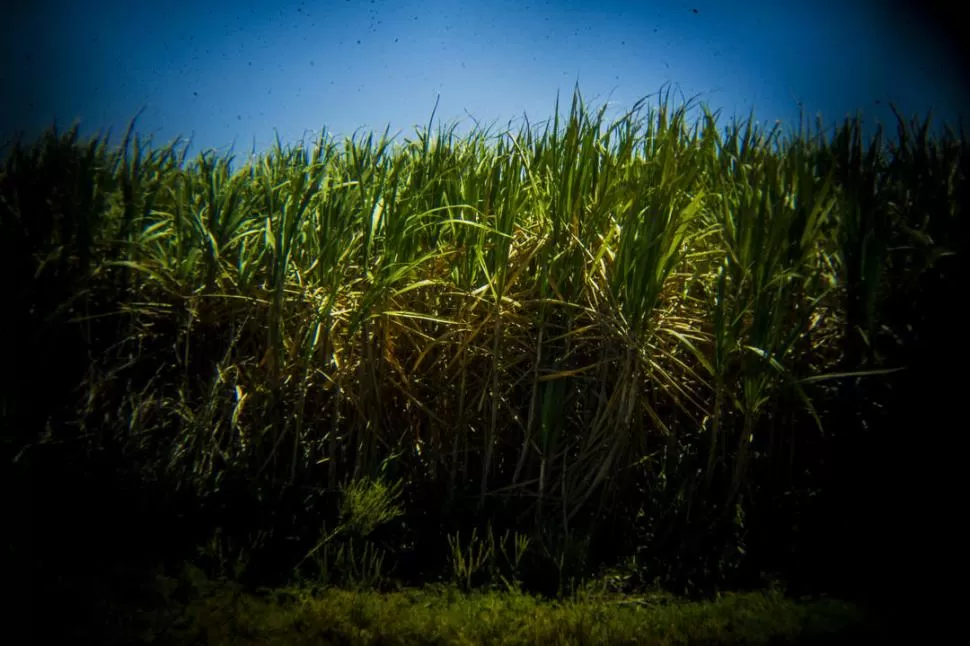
x: 423, y: 618
x: 223, y: 613
x: 647, y: 345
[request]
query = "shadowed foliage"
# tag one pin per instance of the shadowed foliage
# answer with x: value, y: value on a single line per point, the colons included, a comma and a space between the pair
x: 675, y: 352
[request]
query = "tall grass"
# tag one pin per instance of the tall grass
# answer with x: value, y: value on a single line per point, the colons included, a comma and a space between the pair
x: 637, y: 317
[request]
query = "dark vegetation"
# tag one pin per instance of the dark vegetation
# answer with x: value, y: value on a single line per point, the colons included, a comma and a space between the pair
x: 644, y: 355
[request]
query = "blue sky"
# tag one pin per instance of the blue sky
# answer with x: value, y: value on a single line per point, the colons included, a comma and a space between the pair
x: 233, y: 71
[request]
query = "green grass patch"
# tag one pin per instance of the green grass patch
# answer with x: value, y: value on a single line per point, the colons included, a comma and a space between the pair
x: 445, y: 615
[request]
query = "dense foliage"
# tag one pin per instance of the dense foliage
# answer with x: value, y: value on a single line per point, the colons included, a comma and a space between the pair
x: 687, y: 355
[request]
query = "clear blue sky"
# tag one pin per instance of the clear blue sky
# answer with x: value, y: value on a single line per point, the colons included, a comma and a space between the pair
x: 223, y: 71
